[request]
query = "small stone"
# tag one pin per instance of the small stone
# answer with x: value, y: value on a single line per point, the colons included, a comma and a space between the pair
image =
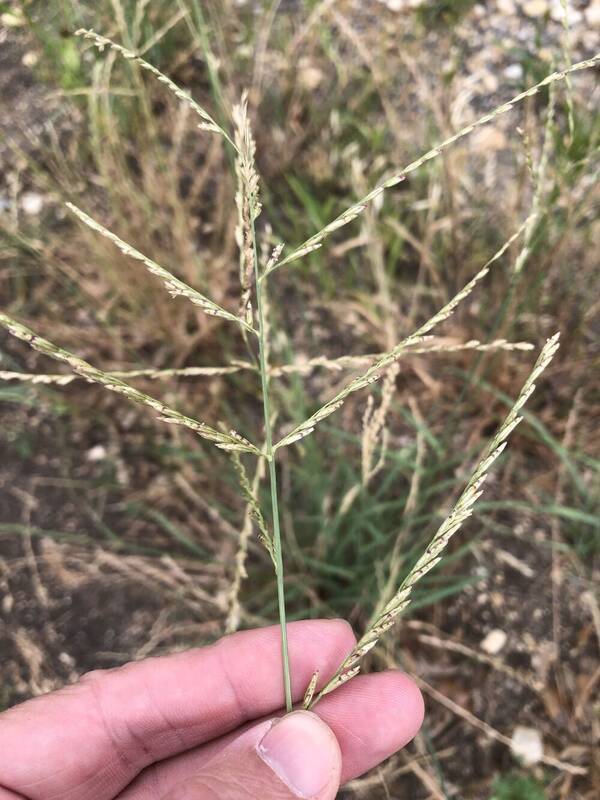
x: 536, y: 8
x: 514, y: 72
x: 13, y: 19
x: 592, y: 14
x: 30, y: 59
x: 526, y: 745
x: 489, y: 82
x: 310, y: 77
x: 557, y: 12
x: 96, y: 453
x: 32, y: 203
x: 67, y: 660
x: 493, y: 642
x: 506, y: 7
x: 8, y: 602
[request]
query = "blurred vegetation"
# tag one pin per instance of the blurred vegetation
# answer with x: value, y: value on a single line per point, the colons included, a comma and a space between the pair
x: 517, y: 787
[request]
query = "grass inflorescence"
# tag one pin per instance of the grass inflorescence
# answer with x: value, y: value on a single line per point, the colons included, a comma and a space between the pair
x: 253, y: 318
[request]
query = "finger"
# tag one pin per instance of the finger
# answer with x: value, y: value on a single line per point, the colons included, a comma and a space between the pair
x: 372, y: 717
x: 297, y: 756
x: 91, y: 739
x: 6, y: 795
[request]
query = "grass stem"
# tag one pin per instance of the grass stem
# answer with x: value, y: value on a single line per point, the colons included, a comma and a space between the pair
x: 264, y: 375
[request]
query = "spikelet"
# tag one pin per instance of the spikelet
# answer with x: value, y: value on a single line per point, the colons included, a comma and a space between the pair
x: 375, y: 370
x: 174, y: 286
x: 374, y: 440
x: 355, y: 210
x: 297, y: 254
x: 432, y: 555
x: 247, y: 202
x: 231, y: 441
x: 207, y: 123
x: 310, y: 691
x: 375, y: 435
x: 240, y: 574
x: 249, y: 495
x: 275, y: 256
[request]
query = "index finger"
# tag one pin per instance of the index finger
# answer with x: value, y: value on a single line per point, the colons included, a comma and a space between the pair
x: 91, y: 739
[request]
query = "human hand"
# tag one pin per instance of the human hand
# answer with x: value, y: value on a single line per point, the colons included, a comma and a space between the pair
x: 204, y: 724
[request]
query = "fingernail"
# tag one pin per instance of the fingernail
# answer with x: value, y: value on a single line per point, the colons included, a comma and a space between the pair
x: 302, y: 751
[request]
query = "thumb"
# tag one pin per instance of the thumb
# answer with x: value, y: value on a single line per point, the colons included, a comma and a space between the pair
x: 297, y: 756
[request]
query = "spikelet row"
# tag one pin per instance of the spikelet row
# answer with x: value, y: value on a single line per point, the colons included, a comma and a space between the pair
x: 375, y: 371
x: 460, y: 513
x: 226, y: 441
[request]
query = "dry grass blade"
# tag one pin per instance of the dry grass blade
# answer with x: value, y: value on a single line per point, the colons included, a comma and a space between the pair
x: 207, y: 124
x: 355, y: 210
x: 461, y: 512
x: 231, y: 441
x: 375, y: 370
x: 173, y: 284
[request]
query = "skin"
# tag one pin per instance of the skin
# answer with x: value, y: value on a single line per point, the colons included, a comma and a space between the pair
x: 191, y: 725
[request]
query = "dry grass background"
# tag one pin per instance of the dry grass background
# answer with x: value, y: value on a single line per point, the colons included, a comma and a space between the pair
x: 118, y: 536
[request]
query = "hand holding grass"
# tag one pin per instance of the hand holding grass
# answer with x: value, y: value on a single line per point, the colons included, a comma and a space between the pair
x: 204, y: 724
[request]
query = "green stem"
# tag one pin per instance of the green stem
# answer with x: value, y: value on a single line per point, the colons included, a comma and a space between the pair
x: 273, y: 481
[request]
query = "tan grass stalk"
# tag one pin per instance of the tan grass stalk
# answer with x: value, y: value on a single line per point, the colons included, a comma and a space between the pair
x: 566, y: 49
x: 539, y: 185
x: 158, y: 35
x: 375, y: 371
x: 351, y: 213
x: 140, y: 10
x: 226, y: 441
x: 415, y: 484
x: 453, y: 522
